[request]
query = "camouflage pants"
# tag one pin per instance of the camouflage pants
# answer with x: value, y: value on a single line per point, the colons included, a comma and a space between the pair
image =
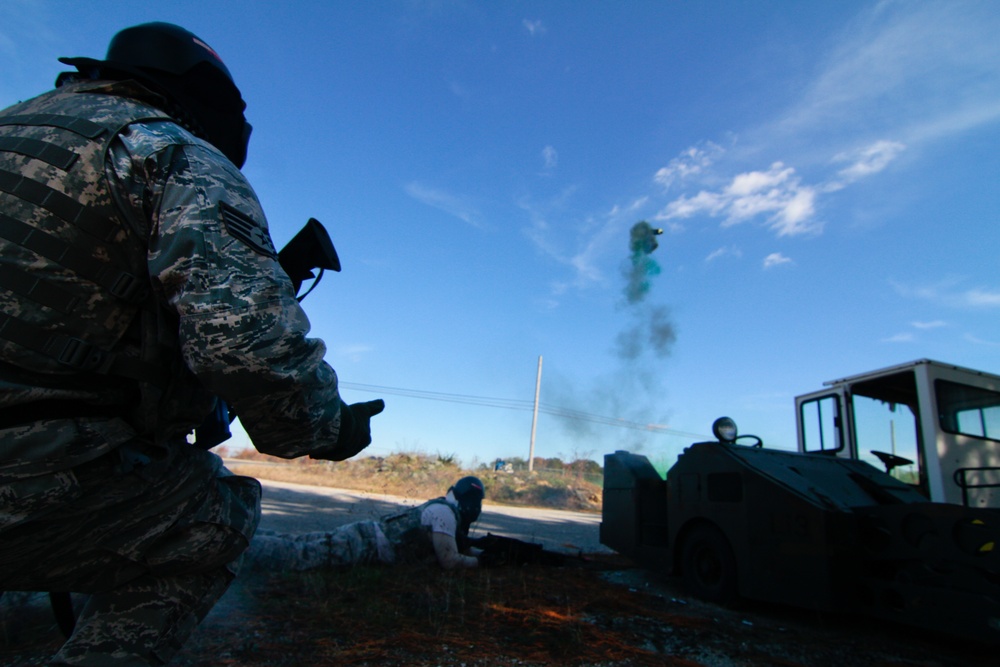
x: 362, y: 542
x: 154, y: 536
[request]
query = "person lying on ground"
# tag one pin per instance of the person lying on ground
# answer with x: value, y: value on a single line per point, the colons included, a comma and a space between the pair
x: 431, y: 531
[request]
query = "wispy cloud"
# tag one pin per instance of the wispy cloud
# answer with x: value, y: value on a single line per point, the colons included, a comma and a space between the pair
x: 950, y: 293
x: 535, y: 27
x: 585, y: 246
x: 901, y: 74
x: 864, y: 162
x: 691, y: 162
x: 982, y: 298
x: 910, y: 336
x: 914, y: 71
x: 25, y: 31
x: 353, y: 352
x: 976, y: 340
x: 775, y: 259
x: 550, y: 158
x: 936, y: 324
x: 777, y: 194
x: 727, y: 251
x: 447, y: 202
x: 942, y: 54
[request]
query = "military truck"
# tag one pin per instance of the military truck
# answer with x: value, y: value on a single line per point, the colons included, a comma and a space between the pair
x: 821, y: 528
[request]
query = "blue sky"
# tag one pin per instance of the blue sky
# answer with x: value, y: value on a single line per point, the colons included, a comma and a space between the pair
x: 825, y: 174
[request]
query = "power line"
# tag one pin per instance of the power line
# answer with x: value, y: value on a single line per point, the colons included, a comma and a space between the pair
x: 508, y: 403
x: 518, y: 404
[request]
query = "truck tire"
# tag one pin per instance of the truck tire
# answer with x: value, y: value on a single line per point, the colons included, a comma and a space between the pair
x: 708, y: 566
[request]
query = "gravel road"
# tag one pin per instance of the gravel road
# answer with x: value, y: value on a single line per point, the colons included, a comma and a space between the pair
x: 297, y: 508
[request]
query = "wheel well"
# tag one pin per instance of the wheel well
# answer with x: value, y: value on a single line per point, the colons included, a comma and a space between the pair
x: 682, y: 535
x: 714, y: 570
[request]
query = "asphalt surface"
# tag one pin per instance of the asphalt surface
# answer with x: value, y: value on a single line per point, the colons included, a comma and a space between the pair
x: 297, y: 508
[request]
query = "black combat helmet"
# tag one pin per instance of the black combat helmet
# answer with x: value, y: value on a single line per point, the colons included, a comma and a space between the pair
x: 469, y: 492
x: 188, y: 72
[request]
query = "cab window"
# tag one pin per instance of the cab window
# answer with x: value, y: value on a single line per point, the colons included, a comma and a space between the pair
x: 820, y: 418
x: 886, y: 426
x: 890, y: 429
x: 968, y: 410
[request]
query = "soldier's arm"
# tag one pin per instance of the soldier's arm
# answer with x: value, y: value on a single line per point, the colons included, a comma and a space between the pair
x: 241, y: 330
x: 448, y: 556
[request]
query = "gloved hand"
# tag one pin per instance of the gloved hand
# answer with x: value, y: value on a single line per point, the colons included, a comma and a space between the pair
x: 355, y: 431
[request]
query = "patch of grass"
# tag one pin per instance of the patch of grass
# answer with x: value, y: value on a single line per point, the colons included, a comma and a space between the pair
x: 420, y: 615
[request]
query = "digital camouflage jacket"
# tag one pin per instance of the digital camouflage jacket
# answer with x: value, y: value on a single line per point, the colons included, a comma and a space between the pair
x: 138, y: 281
x: 411, y: 539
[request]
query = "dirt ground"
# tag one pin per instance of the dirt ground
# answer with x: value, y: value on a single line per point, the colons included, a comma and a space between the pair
x: 606, y: 613
x: 598, y: 610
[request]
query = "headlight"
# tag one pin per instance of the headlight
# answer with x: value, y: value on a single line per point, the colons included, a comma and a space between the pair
x: 724, y: 429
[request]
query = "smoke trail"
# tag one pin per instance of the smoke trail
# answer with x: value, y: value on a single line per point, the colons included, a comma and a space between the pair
x: 633, y: 391
x: 651, y: 330
x: 651, y: 327
x: 642, y: 242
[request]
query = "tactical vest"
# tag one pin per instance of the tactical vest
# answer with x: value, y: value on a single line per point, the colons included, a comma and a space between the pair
x: 73, y: 274
x: 411, y: 540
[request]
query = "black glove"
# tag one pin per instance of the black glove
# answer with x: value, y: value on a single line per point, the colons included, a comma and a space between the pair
x: 355, y: 431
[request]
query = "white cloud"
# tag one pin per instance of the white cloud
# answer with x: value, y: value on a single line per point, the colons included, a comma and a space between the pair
x: 447, y: 202
x: 900, y: 74
x: 353, y: 352
x: 982, y: 298
x: 638, y: 203
x: 777, y: 193
x: 949, y: 293
x: 976, y: 340
x: 552, y: 242
x: 534, y: 28
x: 693, y: 161
x: 724, y: 252
x: 961, y: 120
x: 936, y: 324
x: 775, y: 259
x: 754, y: 182
x: 909, y: 336
x: 685, y: 207
x: 864, y: 162
x: 941, y: 55
x: 550, y: 158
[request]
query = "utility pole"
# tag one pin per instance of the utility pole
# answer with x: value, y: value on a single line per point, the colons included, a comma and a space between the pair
x: 534, y: 418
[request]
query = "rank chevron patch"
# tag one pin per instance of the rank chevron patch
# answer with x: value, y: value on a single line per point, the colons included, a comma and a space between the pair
x: 247, y: 230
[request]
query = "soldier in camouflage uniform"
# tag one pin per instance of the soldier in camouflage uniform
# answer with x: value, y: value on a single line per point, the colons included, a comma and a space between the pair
x: 431, y: 531
x: 140, y: 287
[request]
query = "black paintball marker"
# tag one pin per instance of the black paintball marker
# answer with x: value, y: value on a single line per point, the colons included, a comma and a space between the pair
x: 308, y: 250
x: 501, y: 550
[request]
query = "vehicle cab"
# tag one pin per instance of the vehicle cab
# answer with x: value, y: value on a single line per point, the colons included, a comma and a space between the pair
x: 932, y: 425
